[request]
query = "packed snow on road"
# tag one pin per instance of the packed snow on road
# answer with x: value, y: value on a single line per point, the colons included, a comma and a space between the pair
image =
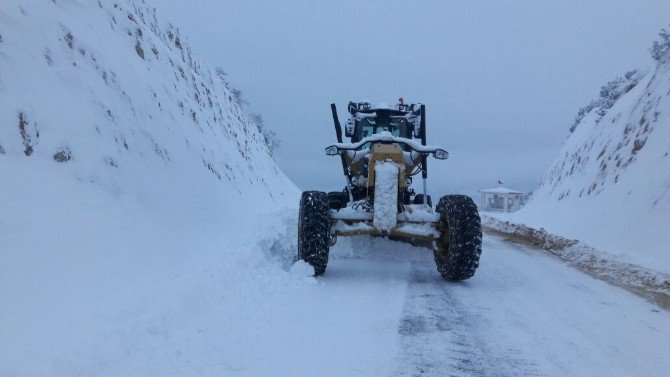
x: 380, y: 310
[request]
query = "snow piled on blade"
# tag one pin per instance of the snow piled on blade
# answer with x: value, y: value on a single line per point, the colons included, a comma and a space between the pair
x: 386, y: 195
x: 610, y: 187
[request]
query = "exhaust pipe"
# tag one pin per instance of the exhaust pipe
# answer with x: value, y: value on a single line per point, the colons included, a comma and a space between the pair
x: 338, y: 133
x: 424, y: 159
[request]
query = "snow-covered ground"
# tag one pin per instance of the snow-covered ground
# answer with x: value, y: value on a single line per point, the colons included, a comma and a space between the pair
x: 146, y: 231
x: 110, y: 288
x: 135, y: 189
x: 650, y: 284
x: 380, y: 310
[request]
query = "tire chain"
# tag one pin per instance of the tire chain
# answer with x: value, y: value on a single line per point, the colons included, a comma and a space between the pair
x: 314, y: 230
x: 461, y: 258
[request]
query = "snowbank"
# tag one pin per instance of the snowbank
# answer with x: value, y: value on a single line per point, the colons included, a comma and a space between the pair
x: 135, y: 190
x: 610, y: 187
x: 653, y: 285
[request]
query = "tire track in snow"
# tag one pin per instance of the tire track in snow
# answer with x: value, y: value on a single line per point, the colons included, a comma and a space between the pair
x: 441, y: 337
x: 389, y: 313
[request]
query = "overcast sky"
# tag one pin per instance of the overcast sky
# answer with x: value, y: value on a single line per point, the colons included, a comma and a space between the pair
x: 502, y: 81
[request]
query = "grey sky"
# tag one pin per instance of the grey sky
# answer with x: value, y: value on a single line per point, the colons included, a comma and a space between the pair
x: 502, y: 81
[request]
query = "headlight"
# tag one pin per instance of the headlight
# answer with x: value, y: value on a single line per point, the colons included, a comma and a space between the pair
x: 441, y: 154
x: 332, y: 151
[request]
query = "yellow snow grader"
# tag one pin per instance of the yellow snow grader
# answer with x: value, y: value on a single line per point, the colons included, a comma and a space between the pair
x: 387, y: 150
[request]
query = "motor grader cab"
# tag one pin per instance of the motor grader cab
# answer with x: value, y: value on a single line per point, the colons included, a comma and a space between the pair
x: 366, y: 121
x: 386, y: 152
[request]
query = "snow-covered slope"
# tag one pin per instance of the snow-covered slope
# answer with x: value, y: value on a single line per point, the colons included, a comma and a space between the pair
x: 134, y: 190
x: 104, y: 84
x: 610, y: 187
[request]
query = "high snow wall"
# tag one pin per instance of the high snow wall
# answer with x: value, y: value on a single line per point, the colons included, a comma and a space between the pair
x: 103, y: 89
x: 134, y: 191
x: 610, y: 186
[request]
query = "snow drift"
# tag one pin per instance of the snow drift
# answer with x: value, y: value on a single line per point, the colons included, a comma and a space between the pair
x: 134, y: 191
x: 610, y: 187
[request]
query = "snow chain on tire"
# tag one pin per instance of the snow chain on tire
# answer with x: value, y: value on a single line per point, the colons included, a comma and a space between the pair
x: 314, y: 230
x: 460, y: 245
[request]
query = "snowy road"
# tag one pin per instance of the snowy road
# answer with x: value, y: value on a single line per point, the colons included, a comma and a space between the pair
x: 382, y: 310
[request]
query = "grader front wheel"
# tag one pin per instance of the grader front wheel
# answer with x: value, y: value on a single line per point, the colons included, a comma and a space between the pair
x: 458, y: 249
x: 314, y: 230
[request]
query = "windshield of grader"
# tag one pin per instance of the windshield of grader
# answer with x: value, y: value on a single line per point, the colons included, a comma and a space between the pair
x: 366, y: 127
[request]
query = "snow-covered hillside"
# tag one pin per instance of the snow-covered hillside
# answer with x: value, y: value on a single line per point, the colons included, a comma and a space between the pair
x: 610, y: 187
x: 97, y: 86
x: 134, y: 186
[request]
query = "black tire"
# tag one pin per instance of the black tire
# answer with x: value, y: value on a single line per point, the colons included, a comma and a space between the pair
x: 335, y: 200
x: 460, y: 246
x: 418, y: 199
x: 314, y: 230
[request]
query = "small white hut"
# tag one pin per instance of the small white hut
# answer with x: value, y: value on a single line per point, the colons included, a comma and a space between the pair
x: 500, y: 199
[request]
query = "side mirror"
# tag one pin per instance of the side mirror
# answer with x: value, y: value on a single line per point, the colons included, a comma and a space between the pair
x: 441, y: 154
x: 332, y: 150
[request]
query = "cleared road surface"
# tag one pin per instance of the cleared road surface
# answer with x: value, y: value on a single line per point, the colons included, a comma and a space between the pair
x: 381, y: 309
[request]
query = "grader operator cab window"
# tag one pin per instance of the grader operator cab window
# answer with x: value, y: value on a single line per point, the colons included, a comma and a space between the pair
x: 367, y: 127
